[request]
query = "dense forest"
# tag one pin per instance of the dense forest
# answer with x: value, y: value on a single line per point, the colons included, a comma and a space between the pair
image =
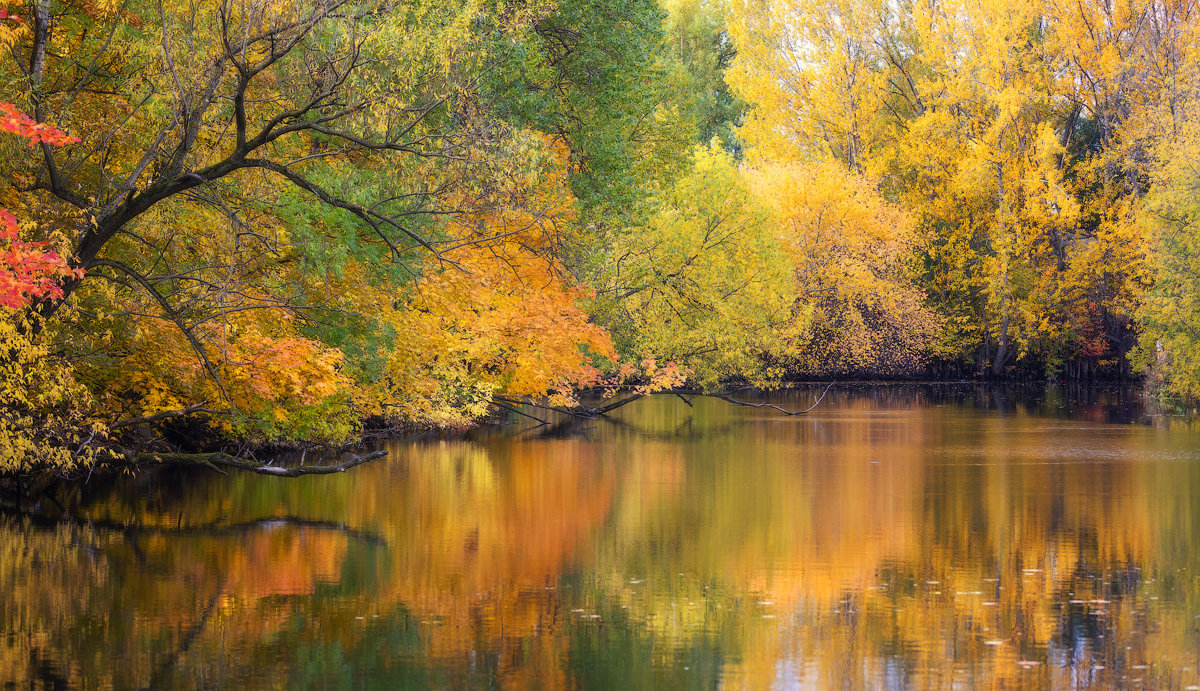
x: 232, y: 224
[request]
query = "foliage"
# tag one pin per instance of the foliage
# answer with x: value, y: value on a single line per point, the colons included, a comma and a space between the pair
x: 348, y: 210
x: 44, y: 410
x: 282, y: 220
x: 42, y: 416
x: 696, y: 36
x: 28, y: 270
x: 510, y: 327
x: 847, y: 250
x: 1014, y: 135
x: 592, y: 73
x: 703, y: 283
x: 1170, y: 315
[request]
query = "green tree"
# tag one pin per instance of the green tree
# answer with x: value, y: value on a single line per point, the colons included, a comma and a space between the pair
x: 703, y: 282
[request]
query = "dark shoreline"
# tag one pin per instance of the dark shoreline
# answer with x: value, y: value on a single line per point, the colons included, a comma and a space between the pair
x: 1113, y: 400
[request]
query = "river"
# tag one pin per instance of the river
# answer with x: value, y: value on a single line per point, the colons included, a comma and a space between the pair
x: 894, y: 537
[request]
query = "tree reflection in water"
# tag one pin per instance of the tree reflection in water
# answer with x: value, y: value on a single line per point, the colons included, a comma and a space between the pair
x: 898, y: 537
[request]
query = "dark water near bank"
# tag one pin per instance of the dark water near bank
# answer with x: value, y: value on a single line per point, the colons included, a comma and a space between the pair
x: 919, y: 537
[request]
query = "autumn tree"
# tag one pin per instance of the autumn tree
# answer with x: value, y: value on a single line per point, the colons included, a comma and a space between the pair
x: 703, y: 282
x: 41, y: 419
x: 266, y: 197
x: 847, y: 252
x: 1170, y: 340
x: 696, y: 36
x: 1016, y: 135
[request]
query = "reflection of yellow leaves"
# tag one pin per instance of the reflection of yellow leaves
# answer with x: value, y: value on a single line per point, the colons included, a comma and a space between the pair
x: 803, y: 549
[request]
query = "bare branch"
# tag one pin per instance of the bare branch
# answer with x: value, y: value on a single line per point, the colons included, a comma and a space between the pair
x: 173, y: 314
x: 219, y: 460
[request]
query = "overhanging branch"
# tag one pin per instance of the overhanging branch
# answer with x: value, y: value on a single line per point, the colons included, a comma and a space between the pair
x: 218, y: 460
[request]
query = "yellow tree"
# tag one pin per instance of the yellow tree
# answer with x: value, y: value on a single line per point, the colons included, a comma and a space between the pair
x: 1170, y: 314
x: 1004, y: 129
x: 504, y: 322
x: 812, y: 71
x: 847, y: 251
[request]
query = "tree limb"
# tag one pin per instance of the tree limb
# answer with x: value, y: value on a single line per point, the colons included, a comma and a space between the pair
x: 601, y: 410
x: 217, y: 460
x: 785, y: 411
x: 197, y: 408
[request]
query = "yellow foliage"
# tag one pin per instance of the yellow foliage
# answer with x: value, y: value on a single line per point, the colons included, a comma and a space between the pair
x: 13, y: 27
x: 703, y: 283
x: 847, y: 251
x: 497, y: 316
x: 1015, y: 135
x: 43, y: 409
x: 1170, y: 340
x: 260, y: 380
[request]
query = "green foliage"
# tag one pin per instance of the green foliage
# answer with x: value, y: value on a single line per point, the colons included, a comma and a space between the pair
x: 594, y: 74
x: 699, y: 43
x: 703, y: 282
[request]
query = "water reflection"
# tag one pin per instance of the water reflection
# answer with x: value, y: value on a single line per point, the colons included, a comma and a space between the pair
x: 900, y: 536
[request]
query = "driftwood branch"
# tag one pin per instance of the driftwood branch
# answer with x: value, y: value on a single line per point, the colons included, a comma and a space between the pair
x: 578, y: 411
x: 513, y: 409
x: 218, y: 460
x: 785, y: 411
x: 686, y: 395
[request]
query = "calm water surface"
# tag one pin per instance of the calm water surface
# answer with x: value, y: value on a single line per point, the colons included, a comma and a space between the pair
x: 895, y: 537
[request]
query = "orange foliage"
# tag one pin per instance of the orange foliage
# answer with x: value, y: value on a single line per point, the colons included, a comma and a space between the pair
x: 28, y: 270
x: 503, y: 322
x: 499, y: 316
x: 270, y: 384
x: 15, y: 122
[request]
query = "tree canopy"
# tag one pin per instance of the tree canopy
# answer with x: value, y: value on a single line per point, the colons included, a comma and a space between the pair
x: 258, y: 223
